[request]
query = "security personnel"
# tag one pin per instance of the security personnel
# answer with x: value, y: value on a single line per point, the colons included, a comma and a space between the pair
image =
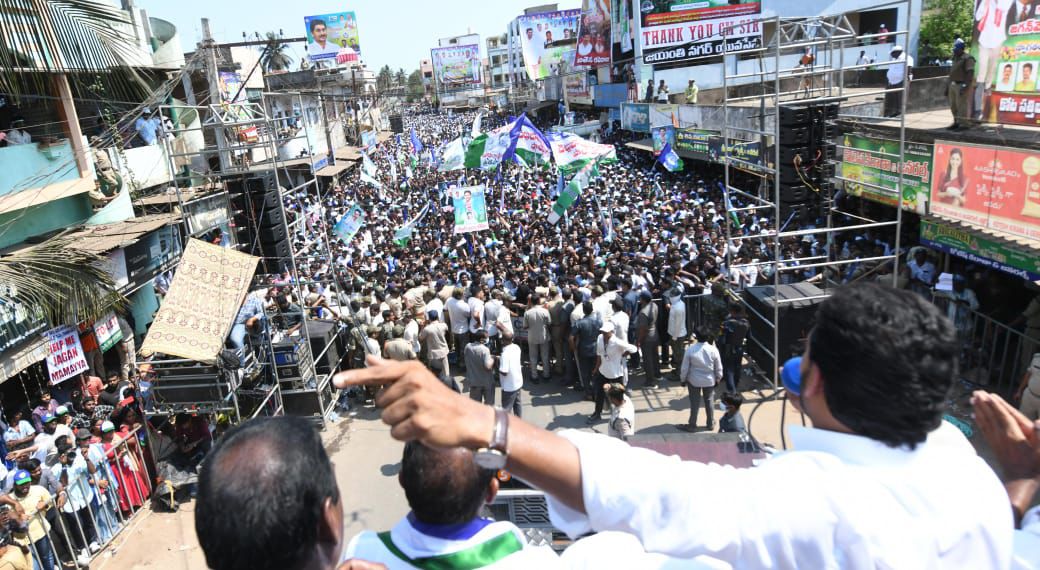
x: 962, y: 74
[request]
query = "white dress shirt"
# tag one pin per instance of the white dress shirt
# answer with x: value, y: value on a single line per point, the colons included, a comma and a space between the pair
x: 621, y: 321
x: 677, y: 318
x: 458, y: 312
x: 611, y: 364
x: 491, y: 310
x: 843, y: 501
x: 511, y: 368
x: 701, y: 365
x: 476, y: 314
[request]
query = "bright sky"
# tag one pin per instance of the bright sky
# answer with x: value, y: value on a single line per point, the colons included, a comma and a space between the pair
x: 398, y: 33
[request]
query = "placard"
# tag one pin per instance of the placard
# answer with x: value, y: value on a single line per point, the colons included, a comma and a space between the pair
x: 64, y: 354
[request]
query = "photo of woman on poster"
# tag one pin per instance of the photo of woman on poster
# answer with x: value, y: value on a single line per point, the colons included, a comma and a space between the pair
x: 953, y: 189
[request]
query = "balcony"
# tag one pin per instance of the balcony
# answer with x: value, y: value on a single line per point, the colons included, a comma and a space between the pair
x: 35, y: 165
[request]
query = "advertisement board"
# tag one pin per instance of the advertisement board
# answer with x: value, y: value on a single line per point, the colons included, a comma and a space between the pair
x: 695, y: 141
x: 153, y: 253
x: 749, y: 153
x: 456, y: 67
x: 987, y: 186
x: 864, y: 161
x: 231, y: 90
x: 64, y: 354
x: 979, y: 249
x: 470, y: 209
x: 1006, y: 43
x: 107, y: 331
x: 546, y: 39
x: 635, y: 117
x: 329, y: 34
x: 576, y: 88
x: 677, y: 30
x: 662, y: 135
x: 593, y: 47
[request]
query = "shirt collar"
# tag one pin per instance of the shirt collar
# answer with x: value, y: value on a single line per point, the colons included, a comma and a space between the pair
x: 461, y: 531
x: 860, y: 450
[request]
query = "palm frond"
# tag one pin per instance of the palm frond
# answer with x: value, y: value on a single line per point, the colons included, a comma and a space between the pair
x: 41, y: 37
x: 67, y: 284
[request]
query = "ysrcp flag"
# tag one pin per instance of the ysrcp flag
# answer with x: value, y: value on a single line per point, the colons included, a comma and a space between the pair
x: 573, y: 152
x: 573, y: 190
x: 453, y: 156
x: 670, y: 159
x: 527, y: 143
x: 486, y: 151
x: 470, y: 209
x: 369, y: 171
x: 349, y: 225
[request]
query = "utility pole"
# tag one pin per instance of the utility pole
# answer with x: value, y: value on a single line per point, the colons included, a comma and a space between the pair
x: 354, y: 105
x: 213, y: 81
x: 325, y: 122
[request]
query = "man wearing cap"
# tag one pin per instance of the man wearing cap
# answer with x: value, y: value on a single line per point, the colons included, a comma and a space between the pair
x: 900, y: 69
x: 609, y: 367
x: 35, y: 501
x: 75, y: 471
x: 397, y: 348
x: 960, y: 90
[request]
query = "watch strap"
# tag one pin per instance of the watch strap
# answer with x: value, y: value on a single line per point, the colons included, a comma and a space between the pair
x: 500, y: 435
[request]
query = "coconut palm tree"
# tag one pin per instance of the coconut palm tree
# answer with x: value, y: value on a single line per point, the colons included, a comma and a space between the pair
x: 67, y: 284
x: 276, y: 57
x: 41, y: 38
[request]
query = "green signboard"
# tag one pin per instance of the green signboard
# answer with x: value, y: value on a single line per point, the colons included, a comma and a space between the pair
x: 979, y: 249
x: 867, y: 160
x: 695, y: 141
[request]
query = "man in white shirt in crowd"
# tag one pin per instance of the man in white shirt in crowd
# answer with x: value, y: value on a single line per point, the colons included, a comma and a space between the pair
x: 676, y: 326
x: 458, y: 320
x: 510, y: 375
x: 610, y: 365
x: 701, y: 371
x: 878, y: 481
x: 922, y: 273
x: 491, y: 310
x: 537, y: 321
x: 476, y: 312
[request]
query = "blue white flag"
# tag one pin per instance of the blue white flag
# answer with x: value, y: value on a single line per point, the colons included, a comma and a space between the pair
x: 417, y: 146
x: 670, y: 159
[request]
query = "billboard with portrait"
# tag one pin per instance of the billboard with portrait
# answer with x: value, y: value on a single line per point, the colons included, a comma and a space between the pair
x: 677, y: 30
x: 593, y: 48
x: 329, y: 34
x: 456, y: 67
x: 635, y: 117
x: 547, y: 40
x: 349, y: 224
x: 470, y: 209
x: 1006, y: 43
x: 576, y: 88
x: 987, y: 186
x: 662, y: 135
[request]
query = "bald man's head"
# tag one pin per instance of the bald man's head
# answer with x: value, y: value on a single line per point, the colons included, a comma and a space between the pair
x: 444, y: 486
x: 268, y: 498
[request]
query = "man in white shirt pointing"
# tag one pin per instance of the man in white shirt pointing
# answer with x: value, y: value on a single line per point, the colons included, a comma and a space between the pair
x: 880, y: 480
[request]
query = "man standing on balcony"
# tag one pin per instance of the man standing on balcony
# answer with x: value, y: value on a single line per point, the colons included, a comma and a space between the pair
x: 147, y: 127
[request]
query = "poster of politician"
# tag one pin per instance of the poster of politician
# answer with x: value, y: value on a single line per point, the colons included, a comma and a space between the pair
x: 593, y: 49
x: 456, y: 67
x: 350, y: 224
x: 1005, y: 43
x: 332, y: 38
x: 470, y: 209
x: 548, y: 41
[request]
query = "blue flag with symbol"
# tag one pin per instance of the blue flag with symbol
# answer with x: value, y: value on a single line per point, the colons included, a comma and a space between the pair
x: 670, y: 159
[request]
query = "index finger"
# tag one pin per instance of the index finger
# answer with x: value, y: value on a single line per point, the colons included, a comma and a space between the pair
x: 378, y: 372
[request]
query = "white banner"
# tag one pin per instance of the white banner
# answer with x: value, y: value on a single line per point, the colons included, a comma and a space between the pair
x: 64, y: 354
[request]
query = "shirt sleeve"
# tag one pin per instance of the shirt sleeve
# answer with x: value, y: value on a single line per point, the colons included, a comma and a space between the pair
x: 716, y: 362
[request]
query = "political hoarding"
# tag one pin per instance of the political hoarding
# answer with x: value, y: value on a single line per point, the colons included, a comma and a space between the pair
x: 635, y: 117
x: 677, y: 30
x: 349, y: 225
x: 331, y: 37
x: 576, y: 88
x: 548, y: 41
x: 866, y: 164
x: 470, y: 209
x: 65, y: 357
x: 662, y: 135
x: 231, y: 90
x: 456, y: 67
x: 979, y: 249
x: 593, y: 47
x: 1006, y: 43
x: 990, y: 187
x: 696, y: 142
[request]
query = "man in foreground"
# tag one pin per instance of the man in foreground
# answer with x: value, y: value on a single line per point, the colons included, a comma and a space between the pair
x: 877, y: 482
x: 446, y: 491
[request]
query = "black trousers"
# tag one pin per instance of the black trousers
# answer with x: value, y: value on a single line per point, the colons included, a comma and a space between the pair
x: 894, y: 100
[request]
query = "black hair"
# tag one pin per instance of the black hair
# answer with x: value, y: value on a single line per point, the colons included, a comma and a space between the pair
x: 317, y: 22
x: 888, y: 360
x: 734, y: 399
x: 262, y: 492
x: 443, y: 486
x: 586, y: 308
x: 705, y: 334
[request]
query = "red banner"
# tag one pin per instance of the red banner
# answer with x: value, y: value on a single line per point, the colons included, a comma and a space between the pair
x: 991, y: 187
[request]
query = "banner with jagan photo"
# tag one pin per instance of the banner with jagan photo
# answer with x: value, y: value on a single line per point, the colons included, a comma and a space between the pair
x: 329, y: 34
x: 677, y: 30
x: 593, y: 49
x: 662, y: 135
x: 546, y: 39
x: 987, y: 186
x: 1006, y: 43
x: 470, y: 208
x: 456, y: 66
x: 349, y: 224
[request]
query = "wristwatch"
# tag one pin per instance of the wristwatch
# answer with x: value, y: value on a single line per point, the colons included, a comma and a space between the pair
x: 494, y: 455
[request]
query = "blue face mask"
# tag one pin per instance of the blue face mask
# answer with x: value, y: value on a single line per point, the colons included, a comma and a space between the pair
x: 791, y: 375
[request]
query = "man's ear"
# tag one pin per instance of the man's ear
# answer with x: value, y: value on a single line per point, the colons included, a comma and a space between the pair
x: 330, y: 526
x: 492, y: 491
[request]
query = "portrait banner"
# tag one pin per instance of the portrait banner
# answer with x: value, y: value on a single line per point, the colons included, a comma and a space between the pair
x: 593, y: 48
x: 456, y: 67
x: 1006, y: 44
x: 662, y: 135
x: 546, y: 40
x: 635, y: 117
x: 988, y: 186
x: 349, y: 224
x: 470, y: 208
x: 332, y: 37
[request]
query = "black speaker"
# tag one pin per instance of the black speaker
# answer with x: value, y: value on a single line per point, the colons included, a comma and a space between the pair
x: 322, y: 334
x: 795, y: 320
x: 397, y: 124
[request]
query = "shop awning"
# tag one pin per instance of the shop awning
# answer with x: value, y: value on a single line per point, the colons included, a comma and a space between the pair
x: 1005, y: 252
x: 107, y: 237
x: 644, y: 145
x: 334, y: 169
x: 33, y: 351
x: 348, y: 153
x: 203, y: 301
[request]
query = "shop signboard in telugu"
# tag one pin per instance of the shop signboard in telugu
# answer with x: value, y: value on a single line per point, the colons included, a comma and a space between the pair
x: 746, y: 154
x: 456, y: 67
x: 593, y: 48
x: 545, y: 40
x: 987, y: 186
x: 635, y: 117
x: 1007, y: 47
x: 697, y: 142
x: 64, y: 354
x: 107, y: 331
x: 332, y: 37
x: 865, y: 162
x: 677, y: 30
x: 980, y: 249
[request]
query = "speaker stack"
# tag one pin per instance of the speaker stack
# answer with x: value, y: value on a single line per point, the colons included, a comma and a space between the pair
x: 397, y: 124
x: 795, y: 318
x: 259, y: 220
x: 806, y: 158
